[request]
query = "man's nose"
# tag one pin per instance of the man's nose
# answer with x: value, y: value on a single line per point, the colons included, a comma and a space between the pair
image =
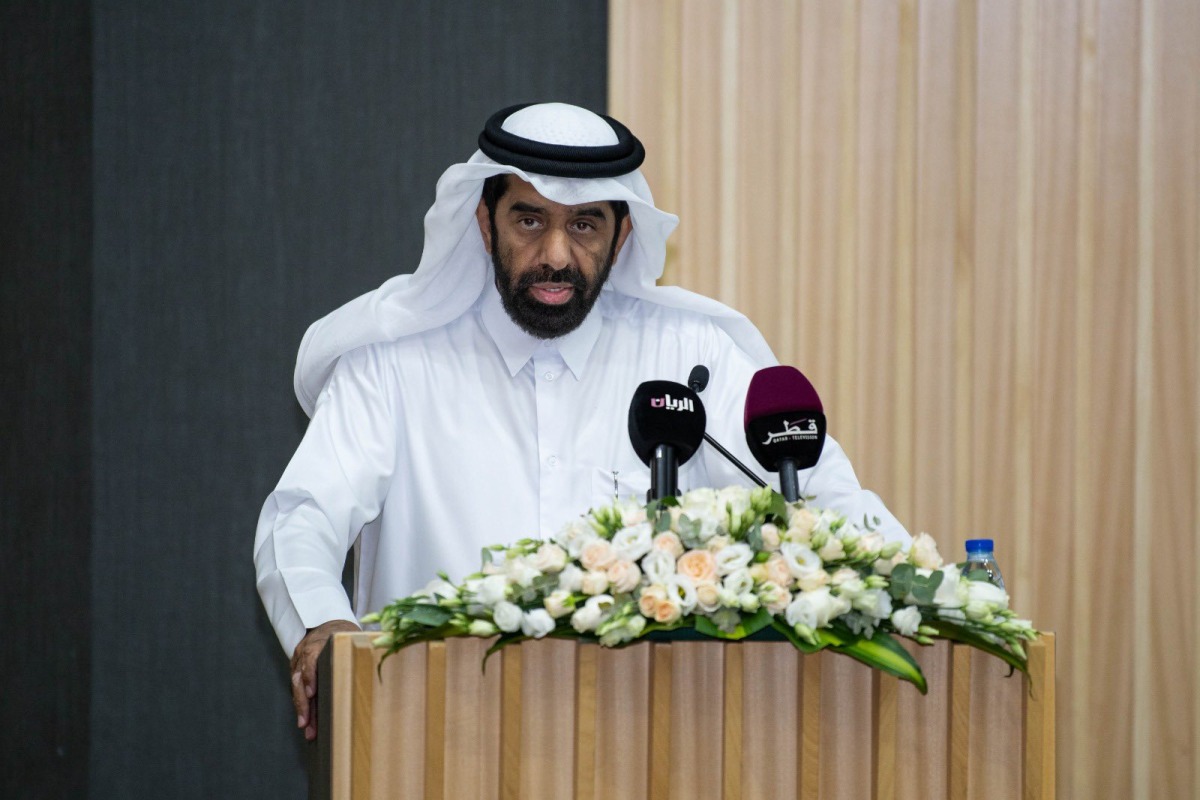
x: 556, y: 248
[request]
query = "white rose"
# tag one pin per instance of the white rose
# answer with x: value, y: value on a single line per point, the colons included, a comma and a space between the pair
x: 708, y: 597
x: 852, y: 588
x: 440, y: 589
x: 815, y: 609
x: 874, y: 603
x: 771, y: 537
x: 774, y: 597
x: 843, y: 575
x: 871, y: 543
x: 924, y: 552
x: 832, y: 550
x: 570, y: 579
x: 906, y: 620
x: 734, y: 557
x: 492, y: 590
x: 592, y: 613
x: 549, y: 558
x: 597, y: 554
x: 632, y: 512
x: 633, y: 542
x: 595, y: 582
x: 507, y: 616
x: 669, y: 543
x: 623, y: 576
x: 537, y: 623
x: 658, y: 566
x: 559, y: 603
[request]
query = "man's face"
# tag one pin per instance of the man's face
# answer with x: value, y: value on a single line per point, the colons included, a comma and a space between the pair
x: 551, y: 260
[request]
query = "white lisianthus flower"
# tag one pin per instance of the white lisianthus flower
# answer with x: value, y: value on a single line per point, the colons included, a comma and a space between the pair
x: 800, y: 526
x: 906, y: 620
x: 507, y: 616
x: 492, y: 590
x: 951, y: 593
x: 734, y: 498
x: 481, y: 628
x: 984, y: 599
x: 597, y: 555
x: 574, y: 535
x: 632, y: 512
x: 595, y: 582
x: 801, y: 560
x: 871, y: 543
x: 734, y: 557
x: 815, y: 609
x: 924, y: 552
x: 623, y: 576
x: 549, y: 558
x: 633, y: 542
x: 570, y: 579
x: 537, y: 623
x: 669, y: 543
x: 851, y: 589
x: 738, y: 582
x: 874, y: 603
x: 592, y: 614
x: 772, y: 537
x: 824, y: 523
x: 682, y: 589
x: 658, y: 566
x: 439, y: 589
x: 843, y: 575
x: 559, y: 603
x: 521, y: 572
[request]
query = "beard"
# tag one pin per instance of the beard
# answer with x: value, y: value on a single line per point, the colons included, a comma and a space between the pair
x: 537, y: 318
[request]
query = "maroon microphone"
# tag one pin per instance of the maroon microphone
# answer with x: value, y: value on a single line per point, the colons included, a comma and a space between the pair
x: 785, y: 424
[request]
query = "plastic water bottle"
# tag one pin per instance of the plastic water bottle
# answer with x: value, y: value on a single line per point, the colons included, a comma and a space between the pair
x: 980, y: 558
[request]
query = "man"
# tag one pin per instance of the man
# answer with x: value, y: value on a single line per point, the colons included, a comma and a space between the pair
x: 484, y: 397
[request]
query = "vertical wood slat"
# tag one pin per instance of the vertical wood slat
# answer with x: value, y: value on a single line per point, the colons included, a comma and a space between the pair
x: 696, y: 719
x: 660, y: 720
x: 885, y: 725
x: 435, y: 721
x: 398, y: 745
x: 810, y: 729
x: 510, y: 723
x: 585, y: 724
x: 1039, y: 753
x: 363, y: 708
x: 960, y: 722
x: 734, y: 730
x: 625, y: 706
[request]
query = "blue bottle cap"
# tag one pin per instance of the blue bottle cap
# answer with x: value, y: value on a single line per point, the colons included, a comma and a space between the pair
x: 979, y: 545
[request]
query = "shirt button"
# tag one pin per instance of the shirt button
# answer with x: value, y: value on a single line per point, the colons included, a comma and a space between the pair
x: 549, y: 376
x: 552, y: 461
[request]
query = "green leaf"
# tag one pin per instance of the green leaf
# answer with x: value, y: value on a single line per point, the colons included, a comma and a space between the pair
x: 955, y: 632
x: 880, y: 652
x: 754, y: 537
x: 429, y: 615
x: 778, y: 509
x: 504, y: 641
x: 749, y: 625
x: 663, y: 523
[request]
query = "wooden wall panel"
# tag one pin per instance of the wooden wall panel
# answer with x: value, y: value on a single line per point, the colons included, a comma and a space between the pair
x: 974, y: 225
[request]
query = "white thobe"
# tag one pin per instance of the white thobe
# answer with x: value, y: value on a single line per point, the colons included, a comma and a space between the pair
x: 476, y: 433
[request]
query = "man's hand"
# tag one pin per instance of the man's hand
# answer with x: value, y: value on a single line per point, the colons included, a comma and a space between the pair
x: 304, y: 672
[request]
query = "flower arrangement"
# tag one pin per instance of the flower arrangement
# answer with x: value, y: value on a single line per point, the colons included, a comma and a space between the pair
x: 727, y: 564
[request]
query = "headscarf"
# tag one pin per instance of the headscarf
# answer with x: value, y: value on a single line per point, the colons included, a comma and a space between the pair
x: 455, y: 266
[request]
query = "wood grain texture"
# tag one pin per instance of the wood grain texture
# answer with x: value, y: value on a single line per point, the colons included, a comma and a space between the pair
x: 398, y: 745
x: 697, y: 719
x: 992, y: 276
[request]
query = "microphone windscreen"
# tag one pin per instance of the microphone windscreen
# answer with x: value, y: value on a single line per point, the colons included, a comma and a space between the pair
x: 784, y: 418
x: 698, y: 379
x: 665, y: 412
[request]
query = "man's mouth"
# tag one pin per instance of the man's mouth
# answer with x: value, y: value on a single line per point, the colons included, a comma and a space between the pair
x: 552, y: 293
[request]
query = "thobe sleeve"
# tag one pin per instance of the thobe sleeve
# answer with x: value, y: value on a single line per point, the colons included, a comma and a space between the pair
x: 831, y: 483
x: 335, y: 483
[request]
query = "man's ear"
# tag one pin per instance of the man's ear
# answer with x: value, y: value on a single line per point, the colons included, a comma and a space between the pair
x: 485, y: 225
x: 622, y: 235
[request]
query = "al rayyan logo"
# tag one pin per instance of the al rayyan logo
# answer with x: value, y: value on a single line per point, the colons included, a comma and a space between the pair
x: 672, y: 404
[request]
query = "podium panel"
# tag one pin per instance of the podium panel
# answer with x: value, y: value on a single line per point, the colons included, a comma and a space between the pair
x: 679, y: 719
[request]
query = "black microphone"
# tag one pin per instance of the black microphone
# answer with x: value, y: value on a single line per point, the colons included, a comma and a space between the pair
x: 698, y: 379
x: 785, y: 424
x: 666, y: 425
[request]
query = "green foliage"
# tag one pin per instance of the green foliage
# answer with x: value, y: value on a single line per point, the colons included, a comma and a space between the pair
x: 748, y: 626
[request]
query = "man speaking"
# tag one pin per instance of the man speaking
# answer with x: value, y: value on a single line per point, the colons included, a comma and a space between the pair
x: 484, y: 397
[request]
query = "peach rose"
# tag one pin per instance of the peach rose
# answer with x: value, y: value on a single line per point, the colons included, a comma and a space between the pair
x: 623, y: 576
x: 651, y: 597
x: 668, y: 611
x: 597, y: 555
x: 777, y: 571
x: 669, y: 543
x: 699, y: 565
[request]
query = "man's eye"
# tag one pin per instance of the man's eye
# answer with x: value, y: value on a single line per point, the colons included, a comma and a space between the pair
x: 584, y: 226
x: 529, y: 223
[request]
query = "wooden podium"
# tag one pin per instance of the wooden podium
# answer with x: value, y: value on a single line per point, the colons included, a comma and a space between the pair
x: 679, y: 719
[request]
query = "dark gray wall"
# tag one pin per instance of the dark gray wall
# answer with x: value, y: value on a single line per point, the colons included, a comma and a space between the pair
x: 45, y: 449
x: 255, y: 165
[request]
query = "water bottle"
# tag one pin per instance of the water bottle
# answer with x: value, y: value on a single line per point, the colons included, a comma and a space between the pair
x: 980, y: 559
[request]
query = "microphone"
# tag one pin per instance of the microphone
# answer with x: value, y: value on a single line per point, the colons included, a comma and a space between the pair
x: 698, y: 379
x: 666, y: 425
x: 785, y: 424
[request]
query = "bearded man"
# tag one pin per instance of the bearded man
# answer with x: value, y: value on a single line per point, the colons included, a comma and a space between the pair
x: 484, y: 397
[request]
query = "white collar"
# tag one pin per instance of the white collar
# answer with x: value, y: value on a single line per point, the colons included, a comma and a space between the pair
x: 517, y: 346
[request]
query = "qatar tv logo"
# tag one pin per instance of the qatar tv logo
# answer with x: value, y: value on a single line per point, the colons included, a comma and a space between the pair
x: 672, y: 404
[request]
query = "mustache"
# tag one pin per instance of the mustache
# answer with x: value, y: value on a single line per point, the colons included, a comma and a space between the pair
x: 547, y: 274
